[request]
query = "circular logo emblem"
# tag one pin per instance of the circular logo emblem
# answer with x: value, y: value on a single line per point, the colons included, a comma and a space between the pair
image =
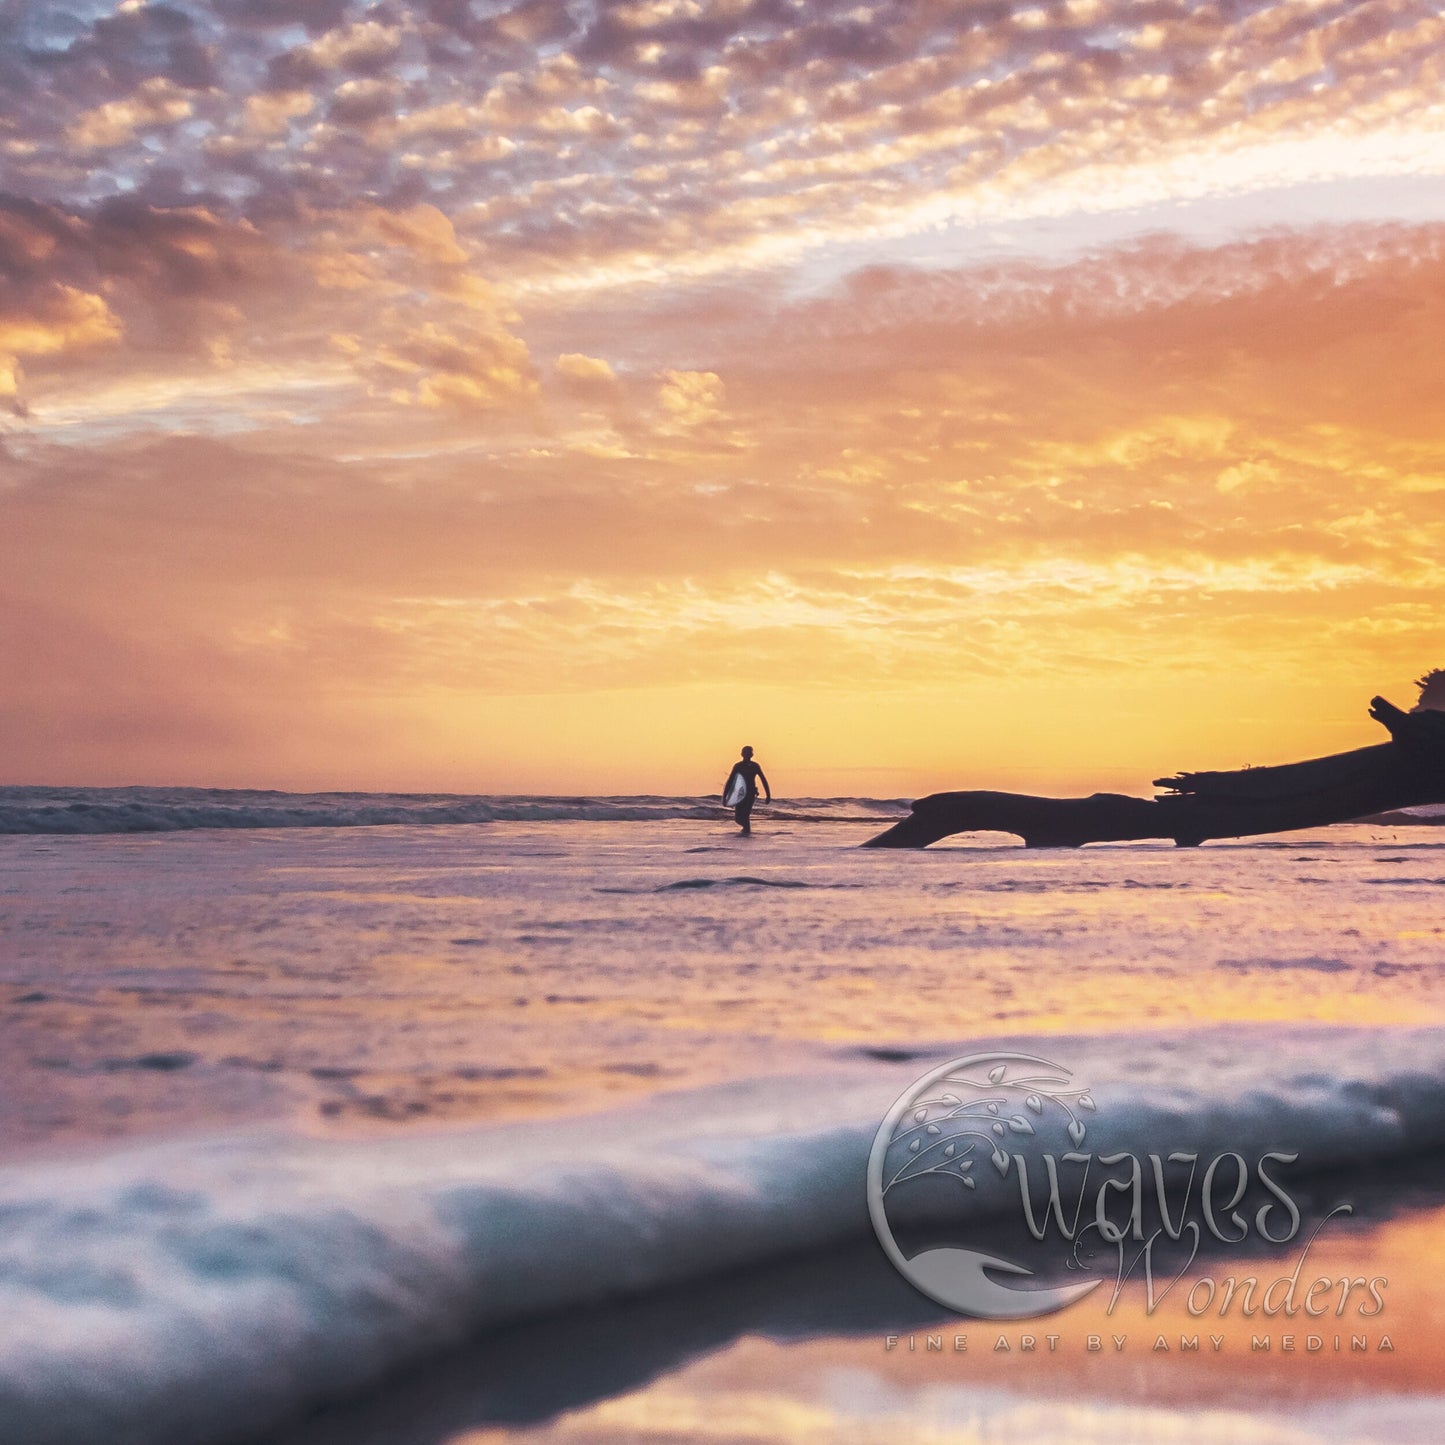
x: 967, y: 1133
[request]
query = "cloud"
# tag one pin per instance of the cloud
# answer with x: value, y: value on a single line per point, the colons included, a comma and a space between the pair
x: 317, y: 16
x: 63, y: 320
x: 359, y: 102
x: 419, y: 349
x: 157, y: 103
x: 588, y: 378
x: 269, y: 114
x: 451, y: 348
x: 423, y: 230
x: 691, y: 398
x: 362, y: 48
x: 585, y: 369
x: 584, y: 146
x: 156, y: 279
x: 477, y: 368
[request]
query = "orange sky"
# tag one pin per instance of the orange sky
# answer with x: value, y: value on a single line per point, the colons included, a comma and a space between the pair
x: 544, y: 397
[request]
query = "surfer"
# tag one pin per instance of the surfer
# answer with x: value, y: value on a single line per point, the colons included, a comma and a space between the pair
x: 741, y: 790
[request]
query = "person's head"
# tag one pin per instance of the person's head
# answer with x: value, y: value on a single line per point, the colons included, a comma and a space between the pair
x: 747, y: 752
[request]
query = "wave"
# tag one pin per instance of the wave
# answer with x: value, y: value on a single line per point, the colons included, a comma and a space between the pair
x: 1427, y: 815
x: 683, y: 885
x: 209, y: 1290
x: 163, y: 810
x: 742, y: 881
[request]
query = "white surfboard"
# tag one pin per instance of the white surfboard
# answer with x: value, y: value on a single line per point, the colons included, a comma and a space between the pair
x: 737, y: 790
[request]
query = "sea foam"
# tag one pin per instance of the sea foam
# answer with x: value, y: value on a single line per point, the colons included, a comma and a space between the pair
x: 44, y: 810
x: 208, y: 1290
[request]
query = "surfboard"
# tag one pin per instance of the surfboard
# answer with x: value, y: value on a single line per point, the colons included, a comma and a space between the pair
x: 735, y: 792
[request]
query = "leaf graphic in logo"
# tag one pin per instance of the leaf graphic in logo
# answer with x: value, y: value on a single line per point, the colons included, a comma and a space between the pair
x: 943, y: 1132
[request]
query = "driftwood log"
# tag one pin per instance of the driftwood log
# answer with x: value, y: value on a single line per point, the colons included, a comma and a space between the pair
x: 1405, y: 772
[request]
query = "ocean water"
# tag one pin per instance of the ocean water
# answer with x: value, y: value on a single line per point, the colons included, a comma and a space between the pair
x: 296, y: 1093
x: 163, y: 810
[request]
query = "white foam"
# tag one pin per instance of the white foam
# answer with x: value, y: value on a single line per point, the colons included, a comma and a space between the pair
x: 159, y: 810
x: 207, y: 1290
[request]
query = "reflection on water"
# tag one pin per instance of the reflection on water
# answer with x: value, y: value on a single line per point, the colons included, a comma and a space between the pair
x: 836, y: 1347
x: 376, y: 978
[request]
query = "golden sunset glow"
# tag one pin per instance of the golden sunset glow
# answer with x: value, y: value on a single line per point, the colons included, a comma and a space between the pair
x: 529, y: 396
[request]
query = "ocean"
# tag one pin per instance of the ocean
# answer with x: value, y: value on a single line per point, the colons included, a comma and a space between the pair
x: 434, y: 1118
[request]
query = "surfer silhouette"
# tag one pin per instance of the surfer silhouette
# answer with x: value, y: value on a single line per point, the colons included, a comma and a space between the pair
x: 741, y: 790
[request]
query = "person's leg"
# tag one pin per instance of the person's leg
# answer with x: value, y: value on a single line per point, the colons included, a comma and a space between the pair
x: 743, y: 813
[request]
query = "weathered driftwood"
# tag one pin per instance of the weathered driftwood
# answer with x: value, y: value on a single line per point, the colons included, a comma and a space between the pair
x: 1405, y: 772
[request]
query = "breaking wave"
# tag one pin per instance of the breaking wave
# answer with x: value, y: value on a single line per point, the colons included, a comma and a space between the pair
x: 208, y: 1290
x: 164, y: 810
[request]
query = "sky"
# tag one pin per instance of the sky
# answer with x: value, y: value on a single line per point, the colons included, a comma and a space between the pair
x: 555, y: 396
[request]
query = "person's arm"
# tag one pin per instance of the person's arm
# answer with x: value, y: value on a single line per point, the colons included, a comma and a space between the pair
x: 763, y: 779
